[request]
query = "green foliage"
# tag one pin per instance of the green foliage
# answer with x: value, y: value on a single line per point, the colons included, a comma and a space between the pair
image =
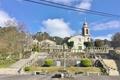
x: 99, y: 43
x: 70, y: 44
x: 36, y: 48
x: 116, y: 40
x: 88, y: 44
x: 48, y: 62
x: 78, y: 72
x: 57, y: 39
x: 27, y: 69
x: 65, y: 40
x: 6, y: 63
x: 107, y: 43
x: 86, y: 63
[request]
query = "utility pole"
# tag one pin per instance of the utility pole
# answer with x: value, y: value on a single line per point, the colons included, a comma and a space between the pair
x: 64, y: 57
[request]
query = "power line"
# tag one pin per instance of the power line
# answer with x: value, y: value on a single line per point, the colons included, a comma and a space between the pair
x: 80, y: 8
x: 67, y: 7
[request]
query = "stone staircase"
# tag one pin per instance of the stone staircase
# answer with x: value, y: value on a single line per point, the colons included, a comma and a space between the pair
x: 17, y: 67
x: 19, y: 64
x: 112, y: 67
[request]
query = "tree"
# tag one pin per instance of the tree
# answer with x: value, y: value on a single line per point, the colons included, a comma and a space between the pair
x: 13, y: 40
x: 65, y: 40
x: 36, y: 48
x: 41, y: 36
x: 48, y: 62
x: 70, y: 44
x: 107, y: 43
x: 86, y: 63
x: 57, y: 39
x: 99, y: 43
x: 88, y: 44
x: 116, y: 40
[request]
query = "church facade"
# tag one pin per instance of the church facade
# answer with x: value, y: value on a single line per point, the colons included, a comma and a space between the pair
x: 80, y: 39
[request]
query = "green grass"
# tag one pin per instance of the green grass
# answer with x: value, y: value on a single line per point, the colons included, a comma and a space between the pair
x: 6, y: 63
x: 70, y: 69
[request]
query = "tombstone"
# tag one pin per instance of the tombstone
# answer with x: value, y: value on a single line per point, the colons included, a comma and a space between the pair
x: 58, y: 63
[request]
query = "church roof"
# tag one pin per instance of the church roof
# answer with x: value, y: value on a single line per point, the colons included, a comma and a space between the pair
x: 85, y: 24
x: 77, y: 36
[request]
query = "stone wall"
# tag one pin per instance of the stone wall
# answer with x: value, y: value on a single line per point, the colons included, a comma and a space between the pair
x: 69, y: 62
x: 98, y: 50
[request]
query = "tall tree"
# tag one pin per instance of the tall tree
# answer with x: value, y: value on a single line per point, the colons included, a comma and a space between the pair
x: 12, y: 40
x: 116, y: 40
x: 99, y: 43
x: 107, y: 43
x: 88, y: 44
x: 41, y: 36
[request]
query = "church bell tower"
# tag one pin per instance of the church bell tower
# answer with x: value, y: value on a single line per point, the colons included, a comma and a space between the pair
x: 86, y: 32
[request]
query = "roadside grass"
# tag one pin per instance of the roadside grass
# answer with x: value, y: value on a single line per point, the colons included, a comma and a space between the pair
x: 6, y: 63
x: 69, y: 69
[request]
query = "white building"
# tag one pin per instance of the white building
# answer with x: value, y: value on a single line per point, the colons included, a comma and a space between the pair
x: 81, y: 38
x: 47, y: 42
x: 50, y: 44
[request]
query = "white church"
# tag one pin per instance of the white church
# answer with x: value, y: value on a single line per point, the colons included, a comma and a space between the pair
x: 81, y: 38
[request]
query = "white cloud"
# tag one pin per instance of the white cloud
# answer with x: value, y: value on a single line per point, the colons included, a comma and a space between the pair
x: 108, y: 37
x: 57, y: 27
x: 4, y: 17
x: 85, y: 4
x: 114, y: 24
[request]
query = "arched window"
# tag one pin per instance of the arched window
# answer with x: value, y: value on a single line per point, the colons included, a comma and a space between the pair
x: 86, y: 31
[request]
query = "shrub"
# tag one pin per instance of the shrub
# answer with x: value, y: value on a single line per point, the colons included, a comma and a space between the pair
x: 48, y: 63
x: 27, y: 69
x: 36, y: 48
x: 70, y: 44
x: 86, y: 63
x: 78, y: 72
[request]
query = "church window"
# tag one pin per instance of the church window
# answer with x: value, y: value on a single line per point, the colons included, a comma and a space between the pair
x: 86, y: 31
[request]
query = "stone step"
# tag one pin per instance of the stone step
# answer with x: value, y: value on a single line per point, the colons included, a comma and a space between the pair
x: 110, y: 63
x: 19, y: 63
x: 113, y: 72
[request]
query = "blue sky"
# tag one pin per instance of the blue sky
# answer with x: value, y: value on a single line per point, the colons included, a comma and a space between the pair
x: 60, y: 22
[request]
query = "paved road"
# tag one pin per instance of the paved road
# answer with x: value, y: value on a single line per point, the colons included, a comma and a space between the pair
x: 48, y: 77
x: 24, y: 77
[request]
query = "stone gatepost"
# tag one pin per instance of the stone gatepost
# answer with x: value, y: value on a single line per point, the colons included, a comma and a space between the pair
x: 58, y: 63
x: 77, y: 62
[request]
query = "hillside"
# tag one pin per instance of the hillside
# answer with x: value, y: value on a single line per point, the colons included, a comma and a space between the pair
x: 12, y: 41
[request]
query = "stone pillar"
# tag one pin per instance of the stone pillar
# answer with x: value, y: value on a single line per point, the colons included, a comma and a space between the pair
x: 58, y: 63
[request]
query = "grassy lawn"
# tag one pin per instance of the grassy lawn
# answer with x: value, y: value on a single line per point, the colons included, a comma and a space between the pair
x: 6, y: 63
x: 70, y: 69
